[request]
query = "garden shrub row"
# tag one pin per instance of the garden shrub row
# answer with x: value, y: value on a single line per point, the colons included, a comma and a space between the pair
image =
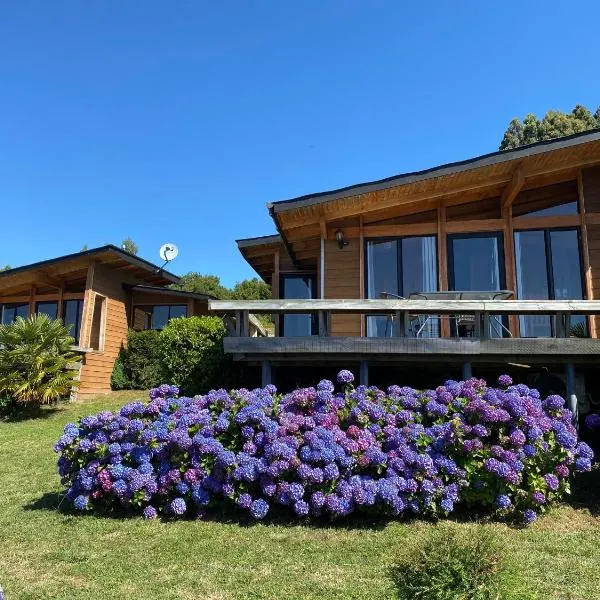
x: 187, y: 352
x: 321, y: 452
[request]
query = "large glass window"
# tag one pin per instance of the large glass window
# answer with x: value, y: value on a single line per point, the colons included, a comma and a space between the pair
x: 11, y: 311
x: 548, y: 266
x: 157, y: 316
x: 399, y: 268
x: 72, y: 310
x: 298, y: 287
x: 49, y: 309
x: 476, y: 262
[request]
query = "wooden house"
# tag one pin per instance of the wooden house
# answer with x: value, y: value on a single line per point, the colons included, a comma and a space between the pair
x: 487, y: 261
x: 100, y: 293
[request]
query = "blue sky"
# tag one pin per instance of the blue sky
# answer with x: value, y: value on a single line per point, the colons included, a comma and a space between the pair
x: 178, y: 121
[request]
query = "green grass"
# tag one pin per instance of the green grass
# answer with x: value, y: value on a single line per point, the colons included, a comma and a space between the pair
x: 48, y: 553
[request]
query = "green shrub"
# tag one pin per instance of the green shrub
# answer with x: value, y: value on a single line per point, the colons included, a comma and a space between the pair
x: 139, y: 366
x: 118, y: 378
x: 450, y: 566
x: 36, y: 361
x: 191, y: 351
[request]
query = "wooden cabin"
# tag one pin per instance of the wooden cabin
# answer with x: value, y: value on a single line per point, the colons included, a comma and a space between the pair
x: 100, y: 293
x: 493, y: 260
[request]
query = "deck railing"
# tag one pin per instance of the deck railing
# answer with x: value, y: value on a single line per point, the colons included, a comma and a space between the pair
x: 482, y: 311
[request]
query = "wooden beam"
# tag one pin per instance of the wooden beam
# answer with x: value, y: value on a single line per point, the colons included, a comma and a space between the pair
x: 42, y: 278
x: 514, y: 187
x: 59, y: 303
x: 474, y: 225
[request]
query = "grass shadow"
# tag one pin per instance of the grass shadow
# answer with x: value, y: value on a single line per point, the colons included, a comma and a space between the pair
x: 28, y: 413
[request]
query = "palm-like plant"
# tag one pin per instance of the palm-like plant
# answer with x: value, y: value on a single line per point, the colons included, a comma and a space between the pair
x: 36, y: 361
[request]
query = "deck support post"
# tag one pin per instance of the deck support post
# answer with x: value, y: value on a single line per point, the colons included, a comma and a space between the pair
x: 571, y: 397
x: 364, y: 372
x: 266, y: 372
x: 467, y: 371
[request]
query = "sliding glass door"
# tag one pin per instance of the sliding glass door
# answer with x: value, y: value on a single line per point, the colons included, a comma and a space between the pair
x: 298, y: 287
x: 398, y: 268
x: 548, y: 265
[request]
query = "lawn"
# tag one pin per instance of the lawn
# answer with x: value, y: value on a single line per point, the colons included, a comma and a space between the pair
x: 46, y: 552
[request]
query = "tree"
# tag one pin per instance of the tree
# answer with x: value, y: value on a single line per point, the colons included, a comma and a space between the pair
x: 251, y: 289
x: 554, y: 124
x: 202, y: 284
x: 5, y: 268
x: 129, y: 246
x: 84, y: 248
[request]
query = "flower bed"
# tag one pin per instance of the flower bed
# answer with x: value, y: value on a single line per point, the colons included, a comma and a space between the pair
x: 318, y: 452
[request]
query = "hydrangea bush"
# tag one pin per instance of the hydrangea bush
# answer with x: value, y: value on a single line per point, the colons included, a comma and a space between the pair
x: 318, y: 452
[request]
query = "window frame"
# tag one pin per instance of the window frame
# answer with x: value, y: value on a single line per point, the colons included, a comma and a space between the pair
x: 314, y: 324
x: 151, y: 314
x: 12, y: 305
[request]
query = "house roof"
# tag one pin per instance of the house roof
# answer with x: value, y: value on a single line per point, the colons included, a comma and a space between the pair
x: 259, y: 253
x: 73, y: 267
x: 152, y: 289
x: 477, y: 162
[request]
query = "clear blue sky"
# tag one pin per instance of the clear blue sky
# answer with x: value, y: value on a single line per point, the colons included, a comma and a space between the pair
x: 178, y: 121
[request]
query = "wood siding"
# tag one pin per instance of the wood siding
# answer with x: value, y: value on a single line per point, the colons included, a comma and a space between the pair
x: 342, y: 280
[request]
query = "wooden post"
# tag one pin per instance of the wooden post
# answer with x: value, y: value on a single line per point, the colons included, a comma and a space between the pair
x: 266, y: 372
x: 585, y: 251
x: 322, y: 323
x: 361, y: 270
x: 509, y: 264
x: 443, y: 261
x: 364, y: 372
x: 275, y: 289
x: 32, y: 291
x: 59, y: 304
x: 401, y: 317
x: 323, y: 226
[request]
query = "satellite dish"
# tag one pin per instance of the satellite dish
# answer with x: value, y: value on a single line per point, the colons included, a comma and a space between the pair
x: 168, y: 252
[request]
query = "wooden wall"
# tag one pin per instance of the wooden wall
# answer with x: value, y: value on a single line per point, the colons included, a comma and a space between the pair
x: 98, y: 364
x: 342, y: 280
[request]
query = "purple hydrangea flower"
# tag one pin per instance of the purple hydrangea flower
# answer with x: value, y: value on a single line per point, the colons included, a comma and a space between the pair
x: 149, y: 512
x: 345, y: 376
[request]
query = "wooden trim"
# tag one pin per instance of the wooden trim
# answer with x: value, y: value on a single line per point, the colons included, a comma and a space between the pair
x: 513, y: 188
x: 40, y: 298
x: 592, y: 218
x: 587, y: 270
x: 466, y: 226
x: 321, y: 279
x: 88, y: 299
x: 474, y: 225
x: 546, y: 222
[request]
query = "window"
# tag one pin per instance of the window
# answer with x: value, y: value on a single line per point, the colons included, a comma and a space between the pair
x: 49, y: 309
x: 72, y: 310
x: 400, y: 267
x: 298, y: 287
x: 98, y: 323
x: 11, y: 311
x: 476, y: 264
x: 156, y: 317
x: 568, y: 208
x: 548, y: 265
